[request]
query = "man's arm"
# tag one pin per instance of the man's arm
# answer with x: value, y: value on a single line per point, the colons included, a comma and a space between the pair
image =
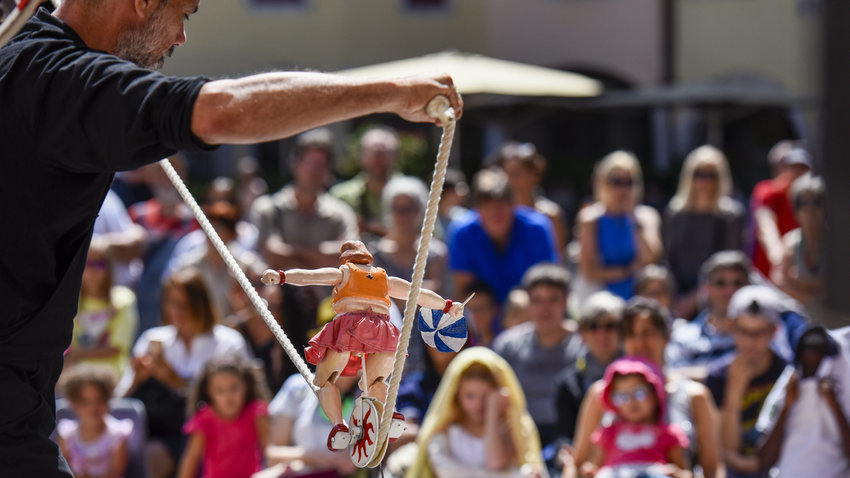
x: 272, y: 106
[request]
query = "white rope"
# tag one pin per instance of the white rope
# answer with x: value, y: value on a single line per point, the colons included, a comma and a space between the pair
x: 438, y: 108
x: 237, y: 273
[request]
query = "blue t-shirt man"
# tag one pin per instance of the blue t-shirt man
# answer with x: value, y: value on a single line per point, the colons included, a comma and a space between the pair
x: 531, y: 241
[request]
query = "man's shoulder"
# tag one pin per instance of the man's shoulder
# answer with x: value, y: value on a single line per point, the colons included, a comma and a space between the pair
x: 347, y: 190
x: 513, y: 338
x: 334, y: 207
x: 529, y: 218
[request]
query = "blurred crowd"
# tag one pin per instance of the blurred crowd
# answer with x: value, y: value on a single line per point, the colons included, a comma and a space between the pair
x: 696, y: 326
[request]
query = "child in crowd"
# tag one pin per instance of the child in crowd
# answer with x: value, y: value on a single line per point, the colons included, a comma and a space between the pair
x: 106, y: 322
x: 230, y: 430
x: 477, y: 424
x: 637, y: 444
x: 95, y: 444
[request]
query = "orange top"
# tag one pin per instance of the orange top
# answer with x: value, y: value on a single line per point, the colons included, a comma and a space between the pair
x: 368, y: 285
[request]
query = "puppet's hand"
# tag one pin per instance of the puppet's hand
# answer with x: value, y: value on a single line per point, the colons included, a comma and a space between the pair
x: 271, y: 277
x: 456, y: 310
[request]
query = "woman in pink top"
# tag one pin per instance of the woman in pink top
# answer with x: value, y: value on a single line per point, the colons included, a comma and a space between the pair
x: 231, y: 428
x: 638, y: 442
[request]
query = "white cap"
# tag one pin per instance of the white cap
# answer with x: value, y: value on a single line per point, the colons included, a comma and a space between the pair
x: 797, y: 156
x: 755, y: 300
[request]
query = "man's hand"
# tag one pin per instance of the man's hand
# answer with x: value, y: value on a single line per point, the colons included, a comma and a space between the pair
x: 418, y: 91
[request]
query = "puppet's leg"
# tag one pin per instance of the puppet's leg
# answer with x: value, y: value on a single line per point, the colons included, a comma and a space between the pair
x: 379, y: 366
x: 327, y: 371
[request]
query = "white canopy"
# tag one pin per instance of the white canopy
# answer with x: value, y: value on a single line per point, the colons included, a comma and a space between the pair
x: 480, y: 74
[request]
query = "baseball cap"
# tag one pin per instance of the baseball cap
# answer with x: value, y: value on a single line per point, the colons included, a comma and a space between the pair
x: 754, y: 300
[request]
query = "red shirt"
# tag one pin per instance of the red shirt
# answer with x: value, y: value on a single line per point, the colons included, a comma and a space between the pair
x: 773, y: 195
x: 232, y: 447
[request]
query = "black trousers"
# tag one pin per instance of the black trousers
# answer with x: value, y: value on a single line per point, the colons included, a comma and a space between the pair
x: 28, y: 417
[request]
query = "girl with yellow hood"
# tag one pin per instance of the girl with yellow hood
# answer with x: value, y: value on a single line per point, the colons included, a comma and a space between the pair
x: 477, y: 424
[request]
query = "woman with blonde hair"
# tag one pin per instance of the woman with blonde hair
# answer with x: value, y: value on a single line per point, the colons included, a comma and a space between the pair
x: 700, y: 220
x: 618, y: 235
x: 477, y: 424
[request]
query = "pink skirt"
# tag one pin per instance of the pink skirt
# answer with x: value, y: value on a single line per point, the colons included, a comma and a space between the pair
x: 356, y: 332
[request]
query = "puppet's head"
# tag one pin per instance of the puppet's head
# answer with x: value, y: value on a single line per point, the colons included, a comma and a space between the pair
x: 355, y: 252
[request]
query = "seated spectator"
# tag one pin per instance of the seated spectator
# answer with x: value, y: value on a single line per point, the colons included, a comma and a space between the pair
x: 404, y: 200
x: 229, y: 430
x: 477, y: 425
x: 805, y: 417
x: 634, y: 392
x: 106, y: 320
x: 741, y: 384
x: 708, y: 337
x: 167, y: 358
x: 299, y: 430
x: 537, y: 350
x: 223, y: 216
x: 701, y: 219
x: 800, y: 274
x: 598, y: 326
x: 645, y: 330
x: 525, y: 166
x: 95, y: 444
x: 618, y: 235
x: 515, y: 308
x: 482, y: 310
x: 498, y: 242
x: 301, y: 225
x: 656, y: 283
x: 220, y: 190
x: 707, y: 340
x: 378, y: 158
x: 772, y: 212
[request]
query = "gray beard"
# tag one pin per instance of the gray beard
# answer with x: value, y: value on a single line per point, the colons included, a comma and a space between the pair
x: 139, y: 45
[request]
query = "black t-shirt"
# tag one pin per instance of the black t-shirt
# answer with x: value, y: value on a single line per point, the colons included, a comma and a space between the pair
x: 69, y: 118
x: 753, y: 400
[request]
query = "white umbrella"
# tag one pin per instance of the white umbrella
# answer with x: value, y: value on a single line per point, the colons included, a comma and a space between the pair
x: 480, y: 74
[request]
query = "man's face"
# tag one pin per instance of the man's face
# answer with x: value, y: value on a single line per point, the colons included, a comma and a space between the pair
x: 722, y: 285
x: 312, y: 169
x: 752, y: 335
x: 497, y: 218
x: 148, y: 44
x: 547, y: 306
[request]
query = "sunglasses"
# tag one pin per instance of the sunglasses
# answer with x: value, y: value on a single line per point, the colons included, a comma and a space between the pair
x: 708, y: 175
x: 620, y: 182
x: 638, y: 394
x: 99, y: 264
x: 753, y: 333
x: 722, y: 283
x: 606, y: 326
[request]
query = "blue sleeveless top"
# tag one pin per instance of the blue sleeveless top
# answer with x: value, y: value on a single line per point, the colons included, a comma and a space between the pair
x: 616, y: 237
